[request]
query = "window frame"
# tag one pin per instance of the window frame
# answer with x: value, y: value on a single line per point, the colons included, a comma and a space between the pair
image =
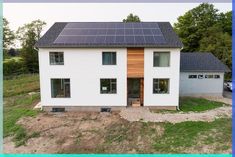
x: 215, y: 76
x: 55, y: 63
x: 110, y: 85
x: 161, y: 52
x: 206, y: 76
x: 168, y: 88
x: 111, y: 52
x: 192, y: 77
x: 64, y: 84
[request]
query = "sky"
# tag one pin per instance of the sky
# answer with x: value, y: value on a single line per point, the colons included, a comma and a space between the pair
x: 20, y: 13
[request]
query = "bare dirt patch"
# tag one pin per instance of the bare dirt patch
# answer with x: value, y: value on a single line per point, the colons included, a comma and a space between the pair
x: 144, y: 114
x: 91, y: 132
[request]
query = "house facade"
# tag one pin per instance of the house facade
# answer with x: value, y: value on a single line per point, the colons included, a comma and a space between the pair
x: 102, y: 65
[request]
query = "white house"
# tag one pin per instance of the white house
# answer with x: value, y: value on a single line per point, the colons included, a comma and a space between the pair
x: 112, y: 65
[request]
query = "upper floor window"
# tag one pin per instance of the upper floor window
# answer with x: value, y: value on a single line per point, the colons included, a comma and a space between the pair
x: 216, y: 76
x: 109, y: 58
x: 56, y: 58
x: 108, y: 86
x: 160, y: 86
x: 60, y: 88
x: 161, y: 59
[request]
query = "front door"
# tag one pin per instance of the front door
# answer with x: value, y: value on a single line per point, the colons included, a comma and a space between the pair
x: 134, y: 94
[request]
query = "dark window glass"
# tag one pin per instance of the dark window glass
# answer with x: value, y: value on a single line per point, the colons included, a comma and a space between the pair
x: 161, y: 59
x: 60, y: 88
x: 160, y: 86
x: 56, y: 58
x: 209, y: 76
x: 108, y: 86
x: 217, y: 76
x: 109, y: 58
x: 192, y: 76
x: 200, y: 76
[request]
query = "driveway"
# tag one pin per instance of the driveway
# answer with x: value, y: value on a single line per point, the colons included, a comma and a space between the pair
x: 227, y: 93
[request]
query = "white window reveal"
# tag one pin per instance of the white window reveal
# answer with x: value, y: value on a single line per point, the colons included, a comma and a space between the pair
x: 56, y: 58
x: 161, y: 86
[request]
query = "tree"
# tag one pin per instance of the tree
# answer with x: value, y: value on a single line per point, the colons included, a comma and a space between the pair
x: 194, y: 23
x: 8, y: 36
x: 132, y: 18
x: 29, y: 34
x: 219, y: 43
x: 225, y: 22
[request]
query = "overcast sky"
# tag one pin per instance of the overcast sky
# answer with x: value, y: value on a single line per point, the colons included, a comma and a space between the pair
x: 20, y: 13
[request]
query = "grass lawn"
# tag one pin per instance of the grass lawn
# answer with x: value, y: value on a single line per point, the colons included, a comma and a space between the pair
x: 18, y: 103
x: 198, y: 104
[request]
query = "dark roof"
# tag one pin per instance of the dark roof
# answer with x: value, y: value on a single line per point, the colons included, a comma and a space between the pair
x: 89, y: 34
x: 200, y: 62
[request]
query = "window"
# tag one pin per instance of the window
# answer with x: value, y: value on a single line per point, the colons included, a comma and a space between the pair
x: 108, y: 86
x: 161, y: 59
x: 192, y: 76
x: 160, y: 86
x: 216, y: 76
x: 209, y: 76
x: 60, y: 88
x: 109, y: 58
x: 200, y: 76
x: 56, y: 58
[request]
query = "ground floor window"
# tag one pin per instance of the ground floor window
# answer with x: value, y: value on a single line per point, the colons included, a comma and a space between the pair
x: 160, y: 86
x: 108, y: 86
x: 60, y: 88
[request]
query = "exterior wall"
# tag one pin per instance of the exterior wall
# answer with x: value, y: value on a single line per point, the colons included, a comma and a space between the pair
x: 201, y: 87
x: 84, y: 68
x: 171, y: 72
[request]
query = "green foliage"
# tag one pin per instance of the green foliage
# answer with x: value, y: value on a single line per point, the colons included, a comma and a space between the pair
x: 218, y: 42
x: 132, y: 18
x: 8, y: 35
x: 28, y: 35
x: 197, y: 104
x: 204, y: 29
x: 18, y: 103
x: 179, y: 136
x: 14, y: 66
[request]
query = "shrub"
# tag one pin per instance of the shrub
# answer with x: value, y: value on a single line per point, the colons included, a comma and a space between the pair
x: 14, y: 67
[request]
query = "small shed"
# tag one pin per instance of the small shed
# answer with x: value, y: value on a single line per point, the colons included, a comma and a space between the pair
x: 201, y: 74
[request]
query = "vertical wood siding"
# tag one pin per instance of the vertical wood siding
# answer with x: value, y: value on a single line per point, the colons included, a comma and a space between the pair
x: 135, y: 62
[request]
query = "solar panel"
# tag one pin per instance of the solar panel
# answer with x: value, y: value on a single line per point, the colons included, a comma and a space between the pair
x: 111, y: 33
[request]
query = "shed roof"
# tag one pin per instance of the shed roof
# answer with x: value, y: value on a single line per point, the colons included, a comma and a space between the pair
x: 201, y: 62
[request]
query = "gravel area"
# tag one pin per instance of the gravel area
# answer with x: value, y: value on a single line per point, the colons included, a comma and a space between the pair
x: 144, y: 114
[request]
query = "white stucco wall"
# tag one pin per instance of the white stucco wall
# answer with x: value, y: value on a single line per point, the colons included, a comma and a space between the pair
x: 171, y: 72
x: 84, y: 68
x: 201, y: 87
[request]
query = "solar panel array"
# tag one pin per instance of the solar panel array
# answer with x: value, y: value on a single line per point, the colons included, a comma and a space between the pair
x: 110, y: 33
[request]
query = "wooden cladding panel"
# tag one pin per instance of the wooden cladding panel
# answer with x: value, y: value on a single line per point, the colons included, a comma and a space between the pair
x: 135, y: 62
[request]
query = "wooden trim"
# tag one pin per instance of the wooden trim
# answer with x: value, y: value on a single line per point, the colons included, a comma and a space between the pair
x: 142, y: 91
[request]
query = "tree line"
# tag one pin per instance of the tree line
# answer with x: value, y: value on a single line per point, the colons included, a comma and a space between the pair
x: 201, y: 29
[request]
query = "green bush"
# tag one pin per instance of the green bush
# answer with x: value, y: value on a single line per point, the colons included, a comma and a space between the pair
x: 14, y: 67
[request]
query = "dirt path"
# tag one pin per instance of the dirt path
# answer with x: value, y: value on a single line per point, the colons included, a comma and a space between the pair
x: 144, y: 114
